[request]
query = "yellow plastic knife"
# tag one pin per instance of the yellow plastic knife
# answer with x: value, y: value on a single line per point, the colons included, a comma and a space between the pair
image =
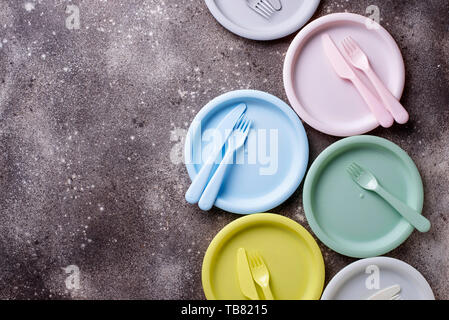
x: 246, y: 281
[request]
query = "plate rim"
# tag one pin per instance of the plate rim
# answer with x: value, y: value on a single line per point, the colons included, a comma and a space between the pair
x: 296, y: 47
x: 308, y: 11
x: 223, y: 235
x: 302, y: 145
x: 347, y: 272
x: 311, y: 176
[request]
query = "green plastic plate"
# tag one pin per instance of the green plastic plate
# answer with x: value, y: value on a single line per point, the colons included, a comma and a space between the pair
x: 352, y: 221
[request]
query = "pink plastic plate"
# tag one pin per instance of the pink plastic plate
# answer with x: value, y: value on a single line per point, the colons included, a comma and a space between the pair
x: 322, y: 99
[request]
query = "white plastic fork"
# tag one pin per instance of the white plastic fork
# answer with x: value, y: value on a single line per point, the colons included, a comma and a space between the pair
x: 262, y: 7
x: 237, y: 140
x: 359, y: 60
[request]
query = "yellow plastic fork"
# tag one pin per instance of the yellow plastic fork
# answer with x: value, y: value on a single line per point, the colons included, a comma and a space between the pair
x: 260, y: 274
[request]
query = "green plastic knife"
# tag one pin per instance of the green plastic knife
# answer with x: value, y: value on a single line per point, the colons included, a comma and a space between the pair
x: 246, y: 281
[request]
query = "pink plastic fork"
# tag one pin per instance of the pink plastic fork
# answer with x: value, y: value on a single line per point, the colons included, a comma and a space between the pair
x: 359, y: 60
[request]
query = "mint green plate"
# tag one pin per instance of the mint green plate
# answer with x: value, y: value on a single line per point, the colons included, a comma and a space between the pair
x: 350, y: 220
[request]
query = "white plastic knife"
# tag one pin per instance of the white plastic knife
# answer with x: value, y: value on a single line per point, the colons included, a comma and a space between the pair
x: 387, y: 293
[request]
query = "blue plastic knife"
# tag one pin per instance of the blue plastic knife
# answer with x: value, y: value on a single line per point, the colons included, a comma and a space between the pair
x: 225, y: 128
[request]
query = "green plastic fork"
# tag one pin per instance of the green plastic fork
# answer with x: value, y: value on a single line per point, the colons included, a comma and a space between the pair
x: 368, y: 181
x: 260, y: 274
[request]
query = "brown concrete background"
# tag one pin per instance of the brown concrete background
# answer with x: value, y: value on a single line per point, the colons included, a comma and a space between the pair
x: 91, y: 125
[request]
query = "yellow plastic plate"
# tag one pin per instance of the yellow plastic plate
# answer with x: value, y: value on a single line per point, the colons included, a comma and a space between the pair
x: 291, y: 254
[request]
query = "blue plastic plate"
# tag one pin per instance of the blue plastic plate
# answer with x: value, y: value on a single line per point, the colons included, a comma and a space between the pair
x: 273, y: 162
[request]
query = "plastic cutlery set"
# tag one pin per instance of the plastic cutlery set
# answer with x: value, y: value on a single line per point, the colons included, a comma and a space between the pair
x: 237, y: 139
x: 203, y: 190
x: 258, y: 273
x: 363, y: 195
x: 344, y: 71
x: 386, y: 111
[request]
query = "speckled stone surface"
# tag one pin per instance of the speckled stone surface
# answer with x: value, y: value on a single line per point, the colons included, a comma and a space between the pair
x: 92, y: 122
